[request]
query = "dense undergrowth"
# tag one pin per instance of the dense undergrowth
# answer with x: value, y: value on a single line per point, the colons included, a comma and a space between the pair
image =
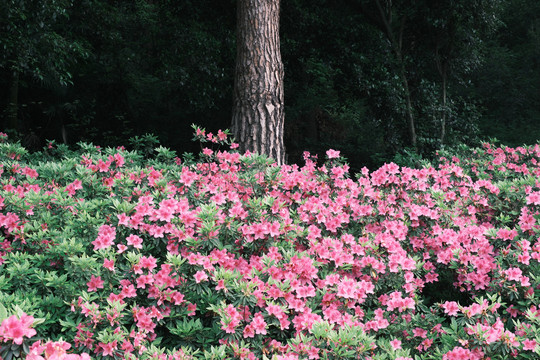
x: 119, y: 254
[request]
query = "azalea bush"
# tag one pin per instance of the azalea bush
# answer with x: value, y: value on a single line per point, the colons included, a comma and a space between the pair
x: 119, y: 254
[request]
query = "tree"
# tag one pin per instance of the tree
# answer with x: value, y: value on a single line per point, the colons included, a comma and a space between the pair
x: 258, y: 117
x: 433, y: 46
x: 391, y: 21
x: 456, y: 33
x: 509, y: 81
x: 32, y: 46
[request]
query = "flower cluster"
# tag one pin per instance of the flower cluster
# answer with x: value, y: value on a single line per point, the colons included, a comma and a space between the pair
x: 16, y: 330
x: 237, y: 257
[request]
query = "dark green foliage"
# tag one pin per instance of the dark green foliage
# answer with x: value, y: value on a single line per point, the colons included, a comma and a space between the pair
x: 104, y: 72
x: 444, y: 290
x: 509, y: 82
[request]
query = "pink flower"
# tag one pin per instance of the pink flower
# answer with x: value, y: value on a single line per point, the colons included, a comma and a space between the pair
x: 419, y: 332
x: 36, y: 349
x: 332, y: 154
x: 426, y: 344
x: 459, y: 353
x: 506, y: 234
x: 103, y: 166
x: 119, y: 159
x: 200, y: 276
x: 347, y: 289
x: 166, y: 210
x: 56, y: 350
x: 31, y: 173
x: 231, y: 318
x: 513, y: 273
x: 121, y: 248
x: 148, y: 262
x: 275, y: 310
x: 108, y: 264
x: 109, y: 348
x: 105, y: 238
x: 95, y: 283
x: 396, y: 344
x: 397, y: 302
x: 14, y: 329
x: 71, y: 188
x: 221, y: 135
x: 529, y: 344
x: 258, y: 324
x: 305, y: 291
x: 249, y: 332
x: 221, y: 285
x: 191, y: 308
x: 134, y: 241
x: 451, y: 308
x: 534, y: 198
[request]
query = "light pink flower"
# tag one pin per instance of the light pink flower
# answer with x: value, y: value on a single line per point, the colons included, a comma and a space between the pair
x: 529, y: 344
x: 15, y: 329
x: 200, y: 276
x: 108, y: 264
x: 134, y: 241
x: 332, y: 154
x: 95, y: 283
x: 451, y: 308
x: 396, y: 344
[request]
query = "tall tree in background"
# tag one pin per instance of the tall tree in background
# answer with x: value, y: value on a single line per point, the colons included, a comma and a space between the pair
x: 456, y: 32
x: 433, y: 46
x: 392, y: 21
x: 33, y: 48
x: 509, y: 81
x: 258, y: 117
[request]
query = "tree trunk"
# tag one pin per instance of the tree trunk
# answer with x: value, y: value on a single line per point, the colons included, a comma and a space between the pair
x: 397, y: 46
x: 258, y: 117
x: 442, y: 67
x: 444, y: 110
x: 13, y: 101
x: 409, y: 109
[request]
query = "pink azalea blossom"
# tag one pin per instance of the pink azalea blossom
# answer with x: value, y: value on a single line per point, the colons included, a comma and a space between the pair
x: 16, y: 329
x: 451, y: 308
x: 134, y: 241
x: 200, y: 276
x: 529, y: 344
x: 108, y: 264
x: 396, y: 344
x: 95, y: 283
x: 459, y: 353
x: 332, y: 154
x: 258, y: 324
x: 105, y: 238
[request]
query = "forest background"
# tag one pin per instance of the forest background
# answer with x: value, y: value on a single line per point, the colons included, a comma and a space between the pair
x: 108, y: 71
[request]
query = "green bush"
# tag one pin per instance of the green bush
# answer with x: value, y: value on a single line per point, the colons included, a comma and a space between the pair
x: 131, y: 255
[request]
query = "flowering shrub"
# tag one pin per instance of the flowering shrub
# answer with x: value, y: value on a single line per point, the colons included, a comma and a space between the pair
x: 229, y: 256
x: 16, y: 334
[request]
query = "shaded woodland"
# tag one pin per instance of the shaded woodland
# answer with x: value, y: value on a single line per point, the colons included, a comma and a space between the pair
x: 378, y: 80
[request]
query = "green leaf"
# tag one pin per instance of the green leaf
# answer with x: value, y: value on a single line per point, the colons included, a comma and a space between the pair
x: 3, y: 313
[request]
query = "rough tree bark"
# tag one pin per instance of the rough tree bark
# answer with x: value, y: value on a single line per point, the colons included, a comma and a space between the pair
x: 258, y: 117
